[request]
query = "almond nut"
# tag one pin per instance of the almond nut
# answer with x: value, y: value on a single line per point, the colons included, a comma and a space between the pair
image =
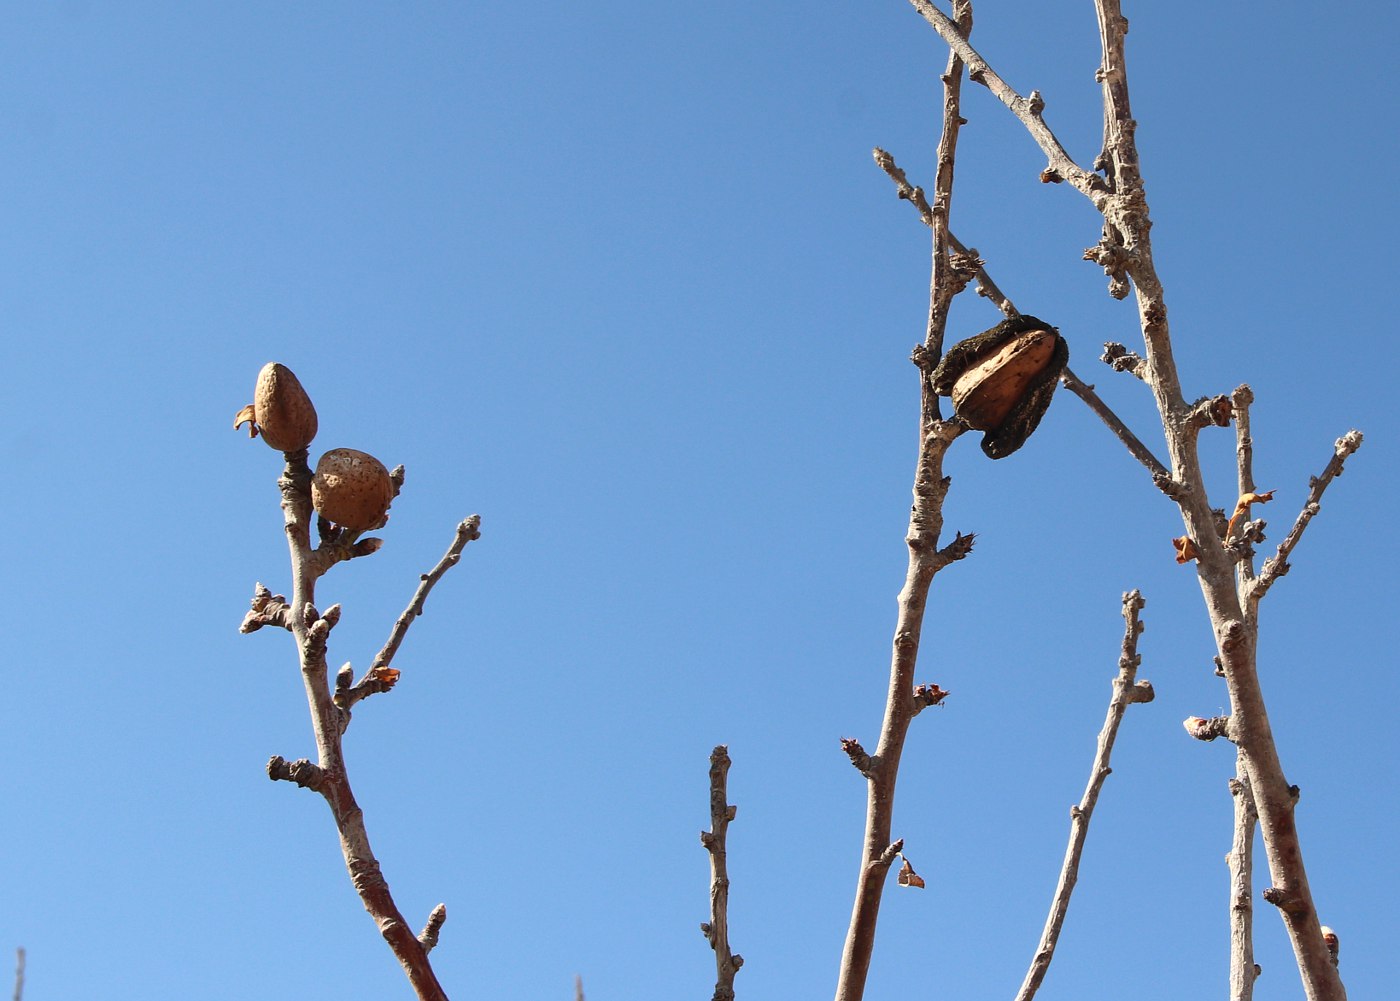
x: 282, y: 410
x: 352, y: 489
x: 1002, y: 379
x: 986, y: 392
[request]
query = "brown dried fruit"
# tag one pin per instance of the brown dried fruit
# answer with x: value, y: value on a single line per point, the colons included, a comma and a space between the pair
x: 282, y: 411
x: 986, y: 392
x: 1001, y: 380
x: 352, y: 489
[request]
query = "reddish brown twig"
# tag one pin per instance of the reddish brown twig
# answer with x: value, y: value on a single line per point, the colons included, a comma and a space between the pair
x: 716, y: 930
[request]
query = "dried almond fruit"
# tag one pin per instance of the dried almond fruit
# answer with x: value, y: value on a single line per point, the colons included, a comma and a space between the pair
x: 352, y: 489
x: 1001, y: 380
x: 282, y: 410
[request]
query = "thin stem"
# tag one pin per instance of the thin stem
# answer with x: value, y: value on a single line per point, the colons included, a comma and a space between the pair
x: 1027, y: 109
x: 925, y: 559
x: 1126, y: 690
x: 717, y: 929
x: 310, y: 631
x: 1243, y: 972
x: 19, y: 975
x: 1277, y: 565
x: 1139, y: 451
x: 1240, y: 400
x: 467, y: 531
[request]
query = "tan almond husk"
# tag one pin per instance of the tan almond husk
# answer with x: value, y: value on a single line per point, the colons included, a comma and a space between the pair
x: 352, y: 489
x: 283, y: 411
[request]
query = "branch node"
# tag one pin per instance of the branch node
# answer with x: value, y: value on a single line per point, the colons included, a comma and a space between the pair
x: 429, y: 935
x: 301, y: 771
x: 1289, y: 903
x: 1120, y: 359
x: 864, y: 763
x: 1207, y: 729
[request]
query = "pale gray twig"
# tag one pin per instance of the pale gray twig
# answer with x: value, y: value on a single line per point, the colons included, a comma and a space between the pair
x: 1126, y: 690
x: 1243, y: 972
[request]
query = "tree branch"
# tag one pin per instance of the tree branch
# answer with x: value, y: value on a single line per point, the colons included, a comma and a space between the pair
x: 1243, y: 971
x: 467, y: 531
x: 1125, y: 252
x: 1061, y: 165
x: 716, y: 930
x: 1126, y: 690
x: 328, y: 775
x: 1091, y: 399
x: 1277, y: 565
x: 925, y: 558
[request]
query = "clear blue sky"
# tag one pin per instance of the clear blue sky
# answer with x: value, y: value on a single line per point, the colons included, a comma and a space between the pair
x: 623, y: 278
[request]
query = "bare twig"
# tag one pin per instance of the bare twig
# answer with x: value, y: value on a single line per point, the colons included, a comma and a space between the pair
x: 328, y: 775
x: 467, y: 531
x: 1277, y: 565
x: 578, y: 988
x: 925, y: 559
x: 1126, y: 690
x: 1243, y: 972
x: 1240, y: 401
x: 1139, y: 451
x: 19, y: 975
x: 717, y: 928
x: 1028, y: 109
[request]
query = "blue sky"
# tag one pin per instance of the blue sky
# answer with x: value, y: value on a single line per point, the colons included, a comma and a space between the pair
x: 623, y: 278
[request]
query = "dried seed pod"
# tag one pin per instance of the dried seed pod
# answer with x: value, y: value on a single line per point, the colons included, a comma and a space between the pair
x: 1002, y: 379
x: 352, y: 489
x: 281, y: 411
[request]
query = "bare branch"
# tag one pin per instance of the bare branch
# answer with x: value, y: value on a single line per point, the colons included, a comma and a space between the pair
x: 1139, y: 451
x: 1125, y: 252
x: 328, y: 775
x: 1277, y: 565
x: 19, y: 975
x: 1240, y: 401
x: 717, y: 928
x: 1028, y: 109
x: 467, y: 531
x: 925, y: 558
x: 1126, y: 690
x: 1243, y: 971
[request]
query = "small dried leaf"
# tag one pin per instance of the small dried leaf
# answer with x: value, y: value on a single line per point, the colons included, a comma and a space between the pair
x: 385, y: 675
x: 1242, y: 509
x: 1185, y: 549
x: 908, y: 877
x: 246, y: 416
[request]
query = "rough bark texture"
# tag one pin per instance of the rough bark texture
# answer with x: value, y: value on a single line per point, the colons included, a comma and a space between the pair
x: 715, y: 841
x: 1125, y: 253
